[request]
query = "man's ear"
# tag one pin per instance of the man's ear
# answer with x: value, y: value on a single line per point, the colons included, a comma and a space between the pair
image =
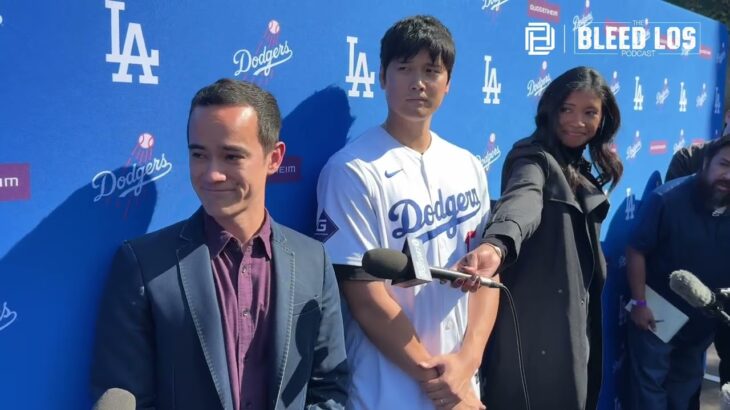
x: 275, y: 157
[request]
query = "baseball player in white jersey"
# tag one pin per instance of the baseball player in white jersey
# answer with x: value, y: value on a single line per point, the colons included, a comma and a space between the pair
x: 418, y: 347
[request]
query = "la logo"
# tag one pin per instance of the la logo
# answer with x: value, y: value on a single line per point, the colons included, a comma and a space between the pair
x: 491, y: 86
x: 358, y: 73
x: 125, y: 58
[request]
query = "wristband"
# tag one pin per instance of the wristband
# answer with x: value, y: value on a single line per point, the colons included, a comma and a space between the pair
x: 635, y: 302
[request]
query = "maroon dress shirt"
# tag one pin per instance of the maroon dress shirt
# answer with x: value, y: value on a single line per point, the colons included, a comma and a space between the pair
x: 242, y: 275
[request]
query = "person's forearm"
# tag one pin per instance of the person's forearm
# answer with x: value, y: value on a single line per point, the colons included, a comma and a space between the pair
x: 483, y: 305
x: 387, y: 326
x: 636, y: 273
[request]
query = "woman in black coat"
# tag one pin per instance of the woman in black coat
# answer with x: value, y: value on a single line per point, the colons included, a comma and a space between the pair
x: 544, y: 240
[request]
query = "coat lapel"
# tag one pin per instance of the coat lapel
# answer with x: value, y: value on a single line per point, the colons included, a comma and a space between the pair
x: 284, y: 278
x: 200, y: 294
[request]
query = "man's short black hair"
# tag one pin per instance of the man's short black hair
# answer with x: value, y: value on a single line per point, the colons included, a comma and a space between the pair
x: 228, y: 92
x: 715, y: 146
x: 409, y: 36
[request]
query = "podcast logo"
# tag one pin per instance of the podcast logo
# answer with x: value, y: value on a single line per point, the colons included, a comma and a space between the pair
x: 638, y: 95
x: 492, y: 87
x: 539, y: 38
x: 663, y: 94
x: 7, y: 316
x: 492, y: 154
x: 142, y: 168
x: 615, y: 85
x: 633, y: 150
x: 269, y: 53
x: 14, y: 182
x: 133, y: 39
x: 358, y: 72
x: 536, y: 87
x: 700, y: 101
x: 632, y: 39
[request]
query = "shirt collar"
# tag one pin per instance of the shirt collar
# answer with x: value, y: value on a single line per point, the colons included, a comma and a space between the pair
x: 217, y: 238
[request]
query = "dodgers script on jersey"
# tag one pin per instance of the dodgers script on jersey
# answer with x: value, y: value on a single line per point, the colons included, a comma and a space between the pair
x: 374, y: 193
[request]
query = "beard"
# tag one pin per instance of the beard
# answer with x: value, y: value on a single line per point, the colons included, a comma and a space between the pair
x: 714, y: 196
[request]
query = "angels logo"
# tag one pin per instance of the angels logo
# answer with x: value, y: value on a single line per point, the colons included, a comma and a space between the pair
x: 535, y: 88
x: 682, y: 97
x: 702, y: 97
x: 142, y: 168
x: 492, y: 87
x: 492, y: 153
x: 257, y: 65
x: 680, y: 142
x: 584, y: 20
x: 493, y: 5
x: 635, y: 147
x: 638, y: 95
x: 358, y: 72
x: 615, y: 85
x: 125, y: 58
x: 662, y: 95
x: 717, y: 101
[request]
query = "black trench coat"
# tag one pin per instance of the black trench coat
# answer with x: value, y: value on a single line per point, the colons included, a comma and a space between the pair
x: 555, y: 270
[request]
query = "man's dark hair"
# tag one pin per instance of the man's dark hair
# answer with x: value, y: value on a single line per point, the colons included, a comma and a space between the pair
x: 409, y: 36
x: 227, y: 92
x: 714, y: 146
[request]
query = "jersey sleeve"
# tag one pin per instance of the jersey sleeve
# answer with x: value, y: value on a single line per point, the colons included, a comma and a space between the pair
x: 346, y: 218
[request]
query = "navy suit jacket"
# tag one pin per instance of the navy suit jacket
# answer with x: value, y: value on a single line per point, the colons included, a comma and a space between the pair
x: 160, y: 335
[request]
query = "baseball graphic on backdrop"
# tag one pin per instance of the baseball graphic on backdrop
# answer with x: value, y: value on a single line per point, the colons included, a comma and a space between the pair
x: 146, y: 140
x: 273, y: 27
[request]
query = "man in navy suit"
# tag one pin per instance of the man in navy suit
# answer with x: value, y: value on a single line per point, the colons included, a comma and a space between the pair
x: 227, y: 309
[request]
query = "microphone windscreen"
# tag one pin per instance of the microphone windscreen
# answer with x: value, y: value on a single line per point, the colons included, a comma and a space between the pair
x: 116, y: 399
x: 691, y: 289
x: 385, y: 263
x: 725, y: 397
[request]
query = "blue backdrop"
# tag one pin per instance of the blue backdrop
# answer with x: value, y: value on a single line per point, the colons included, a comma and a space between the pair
x: 95, y: 97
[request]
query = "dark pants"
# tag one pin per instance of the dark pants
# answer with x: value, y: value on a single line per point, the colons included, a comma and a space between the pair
x: 722, y: 345
x: 663, y: 375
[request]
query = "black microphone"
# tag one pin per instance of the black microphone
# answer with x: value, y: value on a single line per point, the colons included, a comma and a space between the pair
x: 404, y: 270
x: 116, y: 399
x: 696, y: 293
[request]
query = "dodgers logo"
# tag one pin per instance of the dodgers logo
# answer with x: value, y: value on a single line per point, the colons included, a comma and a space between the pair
x: 444, y: 215
x: 535, y: 88
x: 7, y: 316
x: 269, y: 53
x: 492, y: 154
x: 584, y: 20
x: 493, y: 5
x: 145, y: 168
x: 492, y: 87
x: 358, y: 72
x: 661, y: 96
x: 638, y: 95
x: 133, y: 38
x: 680, y: 143
x: 700, y: 101
x: 325, y: 228
x: 615, y: 85
x: 635, y: 147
